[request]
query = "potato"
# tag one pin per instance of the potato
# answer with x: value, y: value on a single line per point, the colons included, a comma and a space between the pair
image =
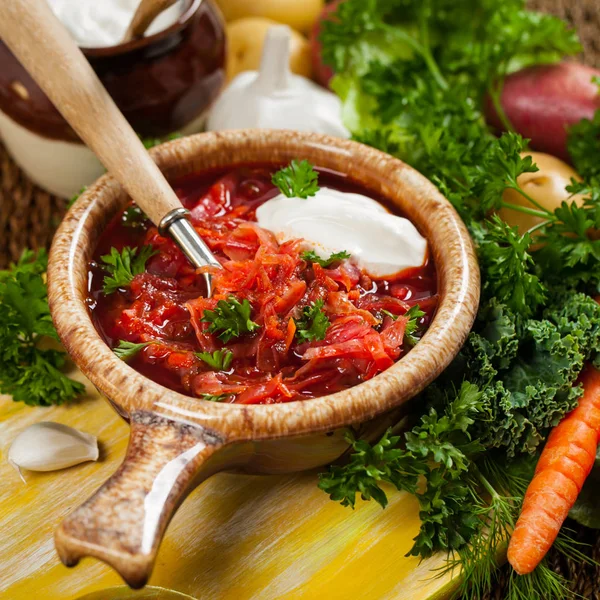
x: 322, y: 72
x: 546, y: 186
x: 541, y: 102
x: 299, y: 14
x: 246, y: 37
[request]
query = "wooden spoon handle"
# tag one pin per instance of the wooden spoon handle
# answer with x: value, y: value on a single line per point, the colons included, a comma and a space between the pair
x: 45, y: 48
x: 146, y: 12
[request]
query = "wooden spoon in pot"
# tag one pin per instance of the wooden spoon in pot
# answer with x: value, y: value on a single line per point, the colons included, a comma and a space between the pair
x: 45, y: 48
x: 146, y: 12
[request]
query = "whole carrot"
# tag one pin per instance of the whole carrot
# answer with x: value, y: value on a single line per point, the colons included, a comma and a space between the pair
x: 566, y: 461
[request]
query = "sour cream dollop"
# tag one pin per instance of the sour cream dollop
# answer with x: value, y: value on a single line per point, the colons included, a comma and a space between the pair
x: 101, y: 23
x: 379, y: 242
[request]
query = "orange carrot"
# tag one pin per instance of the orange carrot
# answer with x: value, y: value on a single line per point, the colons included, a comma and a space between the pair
x: 291, y: 331
x: 566, y: 461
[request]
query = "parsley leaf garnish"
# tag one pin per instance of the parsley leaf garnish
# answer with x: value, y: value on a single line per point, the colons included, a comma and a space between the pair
x: 499, y: 168
x: 126, y: 350
x: 150, y: 142
x: 571, y: 249
x: 29, y: 373
x: 312, y: 257
x: 370, y: 466
x: 414, y: 315
x: 75, y: 197
x: 582, y: 144
x: 313, y: 323
x: 298, y: 180
x: 124, y: 266
x: 216, y: 397
x: 133, y: 216
x: 231, y: 317
x: 219, y: 360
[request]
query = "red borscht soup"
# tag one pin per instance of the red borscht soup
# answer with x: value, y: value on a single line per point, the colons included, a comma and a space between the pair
x: 281, y: 325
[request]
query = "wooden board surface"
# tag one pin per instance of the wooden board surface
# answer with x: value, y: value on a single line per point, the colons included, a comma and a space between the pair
x: 236, y: 536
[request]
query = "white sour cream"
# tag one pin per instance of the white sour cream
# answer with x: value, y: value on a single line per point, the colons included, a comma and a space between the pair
x: 101, y: 23
x: 332, y: 221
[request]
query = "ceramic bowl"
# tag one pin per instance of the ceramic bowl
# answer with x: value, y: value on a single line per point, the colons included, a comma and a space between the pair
x: 162, y: 83
x: 177, y: 441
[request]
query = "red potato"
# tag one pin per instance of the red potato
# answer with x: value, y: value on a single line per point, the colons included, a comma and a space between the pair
x: 541, y: 102
x: 321, y: 72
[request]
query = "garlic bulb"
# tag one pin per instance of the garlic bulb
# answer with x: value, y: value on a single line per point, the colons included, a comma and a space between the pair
x: 50, y: 446
x: 275, y: 98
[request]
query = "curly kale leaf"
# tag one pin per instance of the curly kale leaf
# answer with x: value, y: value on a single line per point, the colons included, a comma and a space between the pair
x: 527, y: 367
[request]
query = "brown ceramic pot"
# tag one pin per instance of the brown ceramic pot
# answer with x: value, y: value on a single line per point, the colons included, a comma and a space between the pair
x: 178, y: 441
x: 162, y: 83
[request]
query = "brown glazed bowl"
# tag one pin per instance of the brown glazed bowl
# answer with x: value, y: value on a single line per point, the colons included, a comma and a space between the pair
x: 177, y: 441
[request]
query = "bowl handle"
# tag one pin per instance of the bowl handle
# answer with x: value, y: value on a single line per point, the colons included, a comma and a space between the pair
x: 124, y: 521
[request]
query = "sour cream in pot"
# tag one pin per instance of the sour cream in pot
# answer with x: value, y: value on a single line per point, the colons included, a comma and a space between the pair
x: 100, y: 23
x: 379, y: 242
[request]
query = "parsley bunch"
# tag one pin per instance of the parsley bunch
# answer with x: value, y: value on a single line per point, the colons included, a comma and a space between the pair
x: 30, y: 372
x: 439, y: 448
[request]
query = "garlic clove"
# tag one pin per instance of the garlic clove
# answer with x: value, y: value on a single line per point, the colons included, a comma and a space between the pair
x: 274, y: 73
x: 48, y: 446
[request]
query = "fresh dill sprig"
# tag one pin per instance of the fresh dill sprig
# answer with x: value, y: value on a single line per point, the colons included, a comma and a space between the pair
x: 541, y: 584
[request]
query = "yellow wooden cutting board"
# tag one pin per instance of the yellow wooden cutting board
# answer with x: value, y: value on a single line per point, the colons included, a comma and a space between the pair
x: 235, y: 537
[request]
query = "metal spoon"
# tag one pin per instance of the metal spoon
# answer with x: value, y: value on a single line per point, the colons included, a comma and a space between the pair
x: 45, y: 48
x: 146, y: 12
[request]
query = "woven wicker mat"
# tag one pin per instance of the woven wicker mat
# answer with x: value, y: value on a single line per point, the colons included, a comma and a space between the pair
x: 29, y: 216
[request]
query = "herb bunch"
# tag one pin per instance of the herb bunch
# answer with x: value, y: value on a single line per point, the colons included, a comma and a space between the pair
x: 413, y: 78
x: 30, y: 369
